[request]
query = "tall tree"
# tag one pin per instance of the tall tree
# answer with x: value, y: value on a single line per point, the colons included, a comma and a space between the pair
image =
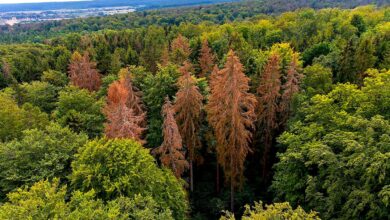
x: 347, y: 70
x: 123, y: 111
x: 171, y: 150
x: 290, y: 88
x: 165, y: 56
x: 180, y: 50
x: 269, y: 95
x: 134, y: 100
x: 83, y: 72
x: 188, y: 107
x: 206, y: 59
x: 231, y: 113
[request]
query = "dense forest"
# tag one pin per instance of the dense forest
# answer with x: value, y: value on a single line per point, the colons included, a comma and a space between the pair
x: 234, y: 111
x: 216, y: 14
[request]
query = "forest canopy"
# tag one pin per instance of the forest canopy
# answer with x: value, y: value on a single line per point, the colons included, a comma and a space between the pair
x: 214, y: 112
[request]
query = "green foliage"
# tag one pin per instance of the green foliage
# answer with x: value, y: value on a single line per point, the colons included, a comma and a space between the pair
x: 140, y: 208
x: 55, y: 78
x: 273, y: 211
x: 40, y: 94
x: 48, y: 200
x: 106, y: 81
x: 155, y: 88
x: 115, y: 168
x: 38, y: 155
x: 78, y: 109
x: 15, y: 119
x: 337, y: 156
x: 43, y: 201
x: 315, y: 51
x: 358, y: 22
x: 317, y: 80
x: 155, y: 41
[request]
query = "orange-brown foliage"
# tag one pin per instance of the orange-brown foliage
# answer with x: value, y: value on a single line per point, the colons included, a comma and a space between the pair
x: 269, y: 95
x: 171, y: 150
x: 165, y: 56
x: 231, y: 113
x: 83, y: 72
x: 206, y: 59
x: 180, y: 50
x: 124, y: 111
x: 188, y: 107
x: 290, y: 88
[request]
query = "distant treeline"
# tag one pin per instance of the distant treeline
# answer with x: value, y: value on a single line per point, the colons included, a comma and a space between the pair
x: 217, y: 14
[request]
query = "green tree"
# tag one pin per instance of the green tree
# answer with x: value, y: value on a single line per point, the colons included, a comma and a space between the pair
x: 48, y: 200
x: 55, y: 78
x: 155, y: 88
x: 40, y: 94
x: 15, y: 119
x: 273, y: 211
x: 154, y: 44
x: 337, y: 156
x: 347, y: 70
x: 78, y: 109
x: 317, y: 80
x: 115, y: 168
x: 358, y: 22
x: 39, y: 154
x: 116, y: 60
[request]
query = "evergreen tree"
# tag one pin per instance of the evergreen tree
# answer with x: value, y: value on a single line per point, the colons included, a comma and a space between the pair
x: 347, y: 66
x: 180, y: 50
x: 290, y: 88
x: 171, y: 150
x: 231, y: 112
x: 125, y: 116
x: 83, y: 72
x: 269, y: 95
x: 188, y: 107
x: 206, y: 59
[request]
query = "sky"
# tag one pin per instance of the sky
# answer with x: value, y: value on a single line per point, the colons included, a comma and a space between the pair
x: 34, y: 1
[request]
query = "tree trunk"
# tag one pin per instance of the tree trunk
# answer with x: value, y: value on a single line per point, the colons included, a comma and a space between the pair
x: 217, y: 179
x: 231, y: 184
x: 191, y: 177
x: 232, y: 196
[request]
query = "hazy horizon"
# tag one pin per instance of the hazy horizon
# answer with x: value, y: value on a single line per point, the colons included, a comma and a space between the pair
x: 36, y: 1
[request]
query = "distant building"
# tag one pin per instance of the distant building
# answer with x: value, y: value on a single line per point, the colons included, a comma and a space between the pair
x: 12, y: 21
x: 2, y: 22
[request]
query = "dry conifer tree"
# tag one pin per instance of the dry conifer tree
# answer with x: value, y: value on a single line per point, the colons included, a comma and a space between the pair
x: 171, y: 150
x: 290, y: 88
x: 214, y: 78
x: 165, y: 56
x: 180, y: 50
x: 188, y: 107
x: 5, y: 70
x: 124, y: 112
x: 206, y: 59
x: 134, y: 100
x: 269, y: 95
x: 83, y: 72
x: 231, y: 113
